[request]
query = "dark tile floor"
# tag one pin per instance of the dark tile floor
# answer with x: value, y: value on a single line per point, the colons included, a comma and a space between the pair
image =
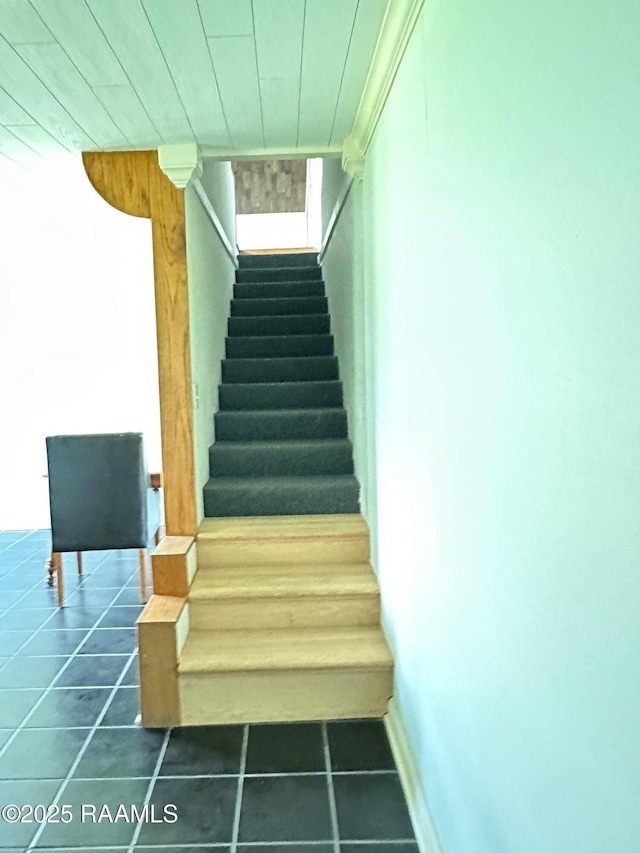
x: 69, y: 738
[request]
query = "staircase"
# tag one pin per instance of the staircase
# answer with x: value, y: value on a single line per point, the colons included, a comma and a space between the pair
x: 282, y: 614
x: 281, y: 432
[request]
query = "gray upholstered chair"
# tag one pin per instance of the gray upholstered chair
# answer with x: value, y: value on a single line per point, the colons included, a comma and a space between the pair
x: 99, y: 497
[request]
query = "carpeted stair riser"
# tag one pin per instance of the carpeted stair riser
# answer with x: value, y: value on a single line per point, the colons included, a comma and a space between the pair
x: 263, y: 496
x: 281, y: 433
x: 280, y: 424
x: 279, y: 274
x: 278, y: 289
x: 275, y: 306
x: 284, y: 259
x: 301, y: 369
x: 279, y: 346
x: 307, y: 324
x: 278, y: 395
x: 286, y: 458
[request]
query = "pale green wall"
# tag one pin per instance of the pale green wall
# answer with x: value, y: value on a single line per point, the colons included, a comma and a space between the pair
x: 502, y: 317
x: 342, y: 272
x: 332, y: 180
x: 211, y: 275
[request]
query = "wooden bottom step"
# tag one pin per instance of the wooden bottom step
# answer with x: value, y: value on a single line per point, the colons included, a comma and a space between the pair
x: 285, y: 675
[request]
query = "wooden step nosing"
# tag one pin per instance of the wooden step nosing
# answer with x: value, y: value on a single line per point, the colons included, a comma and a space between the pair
x: 271, y: 666
x: 307, y: 537
x: 199, y: 595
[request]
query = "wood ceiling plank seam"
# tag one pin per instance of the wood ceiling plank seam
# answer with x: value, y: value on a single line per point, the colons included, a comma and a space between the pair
x: 21, y: 24
x: 10, y: 160
x: 344, y: 69
x: 365, y: 38
x: 280, y: 93
x: 125, y: 72
x: 9, y: 103
x: 17, y: 150
x: 192, y: 108
x: 326, y: 47
x: 20, y: 69
x: 79, y: 35
x: 138, y: 51
x: 169, y: 72
x: 233, y: 58
x: 253, y: 31
x: 54, y: 68
x: 279, y: 27
x: 49, y: 6
x: 36, y: 141
x: 215, y: 76
x: 239, y: 11
x: 126, y: 109
x: 304, y: 31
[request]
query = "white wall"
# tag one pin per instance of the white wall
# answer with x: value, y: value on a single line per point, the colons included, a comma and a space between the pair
x: 77, y: 327
x: 272, y: 230
x: 332, y: 180
x: 211, y: 274
x: 342, y: 270
x: 502, y: 317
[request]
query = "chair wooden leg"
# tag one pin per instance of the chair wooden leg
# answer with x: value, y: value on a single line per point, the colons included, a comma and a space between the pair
x: 142, y: 557
x: 156, y: 536
x: 56, y: 568
x: 79, y: 556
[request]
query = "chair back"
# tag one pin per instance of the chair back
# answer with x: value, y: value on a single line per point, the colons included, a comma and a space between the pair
x: 98, y: 489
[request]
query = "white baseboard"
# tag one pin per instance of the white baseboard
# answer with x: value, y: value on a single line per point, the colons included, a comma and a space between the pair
x: 418, y: 808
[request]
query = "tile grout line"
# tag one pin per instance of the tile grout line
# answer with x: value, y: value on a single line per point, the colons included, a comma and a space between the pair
x: 152, y: 782
x: 331, y: 793
x: 241, y: 777
x: 55, y: 610
x: 51, y: 686
x: 84, y: 746
x: 202, y: 775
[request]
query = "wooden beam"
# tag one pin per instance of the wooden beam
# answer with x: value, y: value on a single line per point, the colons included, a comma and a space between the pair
x: 131, y: 181
x: 121, y: 178
x: 174, y: 353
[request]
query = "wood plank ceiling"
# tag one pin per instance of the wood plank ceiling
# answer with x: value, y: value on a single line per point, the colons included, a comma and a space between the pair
x: 237, y: 76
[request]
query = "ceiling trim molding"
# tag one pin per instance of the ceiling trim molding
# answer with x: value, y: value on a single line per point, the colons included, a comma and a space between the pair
x: 397, y: 26
x: 353, y: 160
x: 283, y: 153
x: 182, y: 164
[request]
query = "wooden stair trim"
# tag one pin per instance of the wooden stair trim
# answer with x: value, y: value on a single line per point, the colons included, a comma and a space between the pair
x: 265, y: 697
x: 174, y: 565
x: 257, y: 583
x: 283, y: 528
x: 163, y: 627
x: 285, y: 650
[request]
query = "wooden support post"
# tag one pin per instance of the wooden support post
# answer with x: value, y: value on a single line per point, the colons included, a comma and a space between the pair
x: 132, y: 182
